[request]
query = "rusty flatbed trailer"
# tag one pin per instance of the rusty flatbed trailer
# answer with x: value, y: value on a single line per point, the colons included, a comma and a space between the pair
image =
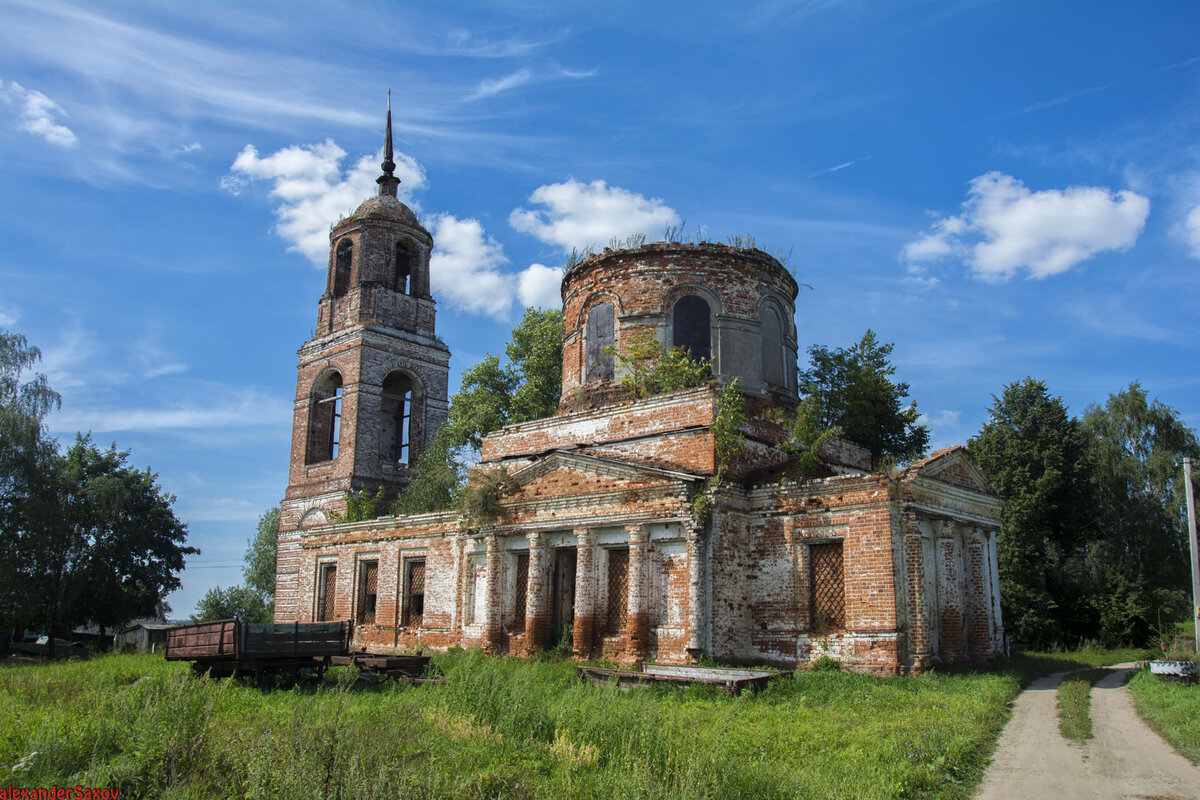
x: 401, y: 669
x: 731, y: 679
x: 229, y: 647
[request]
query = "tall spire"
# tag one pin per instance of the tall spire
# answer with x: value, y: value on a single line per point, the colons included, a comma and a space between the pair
x: 387, y: 181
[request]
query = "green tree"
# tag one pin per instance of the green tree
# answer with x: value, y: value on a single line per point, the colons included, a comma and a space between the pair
x: 492, y: 395
x: 1138, y: 564
x: 106, y: 546
x: 1032, y: 452
x: 261, y: 549
x: 26, y: 462
x: 241, y: 602
x: 856, y: 393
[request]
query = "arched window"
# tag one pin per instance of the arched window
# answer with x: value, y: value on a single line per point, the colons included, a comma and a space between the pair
x: 341, y: 267
x: 395, y: 417
x: 599, y: 336
x: 691, y: 326
x: 404, y: 268
x: 325, y: 419
x: 772, y: 348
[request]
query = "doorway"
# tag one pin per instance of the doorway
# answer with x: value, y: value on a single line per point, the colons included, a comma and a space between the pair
x: 562, y: 595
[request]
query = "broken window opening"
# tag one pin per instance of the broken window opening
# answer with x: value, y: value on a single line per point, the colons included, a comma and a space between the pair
x: 368, y: 584
x: 396, y: 418
x: 326, y: 591
x: 600, y: 329
x: 618, y: 590
x: 341, y: 268
x: 827, y: 579
x: 414, y: 591
x: 691, y: 325
x: 325, y: 419
x: 404, y: 268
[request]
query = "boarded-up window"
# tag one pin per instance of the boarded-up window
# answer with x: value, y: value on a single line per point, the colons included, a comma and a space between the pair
x: 341, y: 267
x: 600, y: 324
x: 691, y: 326
x: 828, y: 586
x: 772, y: 348
x: 396, y: 416
x: 326, y: 591
x: 618, y: 590
x: 368, y: 586
x: 520, y: 589
x: 414, y: 591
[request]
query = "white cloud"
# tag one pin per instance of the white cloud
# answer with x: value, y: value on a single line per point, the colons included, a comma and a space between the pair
x: 191, y: 148
x: 1191, y: 229
x: 9, y: 316
x: 539, y: 285
x: 1004, y: 227
x: 465, y: 267
x: 38, y: 114
x: 579, y: 215
x: 312, y: 191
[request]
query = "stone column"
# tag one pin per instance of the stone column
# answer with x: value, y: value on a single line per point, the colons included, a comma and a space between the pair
x: 585, y: 592
x: 695, y: 557
x: 993, y: 577
x: 919, y: 646
x: 492, y: 610
x: 637, y: 612
x: 535, y: 595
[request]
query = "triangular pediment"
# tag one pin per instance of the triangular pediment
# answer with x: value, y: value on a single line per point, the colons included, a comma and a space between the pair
x: 955, y: 466
x: 564, y: 473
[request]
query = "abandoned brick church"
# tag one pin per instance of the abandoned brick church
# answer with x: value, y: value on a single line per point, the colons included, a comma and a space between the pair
x: 598, y: 537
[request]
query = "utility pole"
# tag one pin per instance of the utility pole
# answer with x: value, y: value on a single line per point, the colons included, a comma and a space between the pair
x: 1191, y: 512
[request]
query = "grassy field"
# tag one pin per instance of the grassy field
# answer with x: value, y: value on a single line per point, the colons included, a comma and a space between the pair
x: 499, y: 728
x: 1172, y: 709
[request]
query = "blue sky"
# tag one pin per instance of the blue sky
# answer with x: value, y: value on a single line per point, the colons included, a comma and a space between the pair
x: 1001, y: 189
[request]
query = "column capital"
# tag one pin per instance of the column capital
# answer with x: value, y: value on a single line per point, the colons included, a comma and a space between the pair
x: 638, y: 534
x: 585, y: 537
x: 534, y: 538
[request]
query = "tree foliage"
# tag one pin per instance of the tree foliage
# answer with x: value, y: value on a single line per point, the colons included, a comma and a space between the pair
x: 1032, y: 451
x: 492, y: 395
x: 856, y: 393
x: 84, y: 536
x: 241, y: 602
x: 261, y: 549
x: 1094, y: 538
x: 1138, y: 559
x: 653, y: 369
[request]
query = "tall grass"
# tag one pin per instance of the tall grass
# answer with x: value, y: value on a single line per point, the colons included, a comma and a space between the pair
x: 1074, y: 698
x: 499, y: 727
x: 1172, y: 709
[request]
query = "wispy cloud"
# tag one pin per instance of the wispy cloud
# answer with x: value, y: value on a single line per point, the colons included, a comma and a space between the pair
x: 1005, y: 228
x: 1191, y: 229
x: 490, y: 87
x: 227, y: 408
x: 38, y: 114
x: 840, y: 167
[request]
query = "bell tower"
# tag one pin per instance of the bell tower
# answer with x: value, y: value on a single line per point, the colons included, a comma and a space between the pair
x: 372, y: 383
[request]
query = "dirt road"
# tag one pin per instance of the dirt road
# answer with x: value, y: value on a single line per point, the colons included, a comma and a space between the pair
x: 1125, y: 759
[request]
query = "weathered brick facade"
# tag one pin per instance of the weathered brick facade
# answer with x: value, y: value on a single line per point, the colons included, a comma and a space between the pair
x: 600, y: 535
